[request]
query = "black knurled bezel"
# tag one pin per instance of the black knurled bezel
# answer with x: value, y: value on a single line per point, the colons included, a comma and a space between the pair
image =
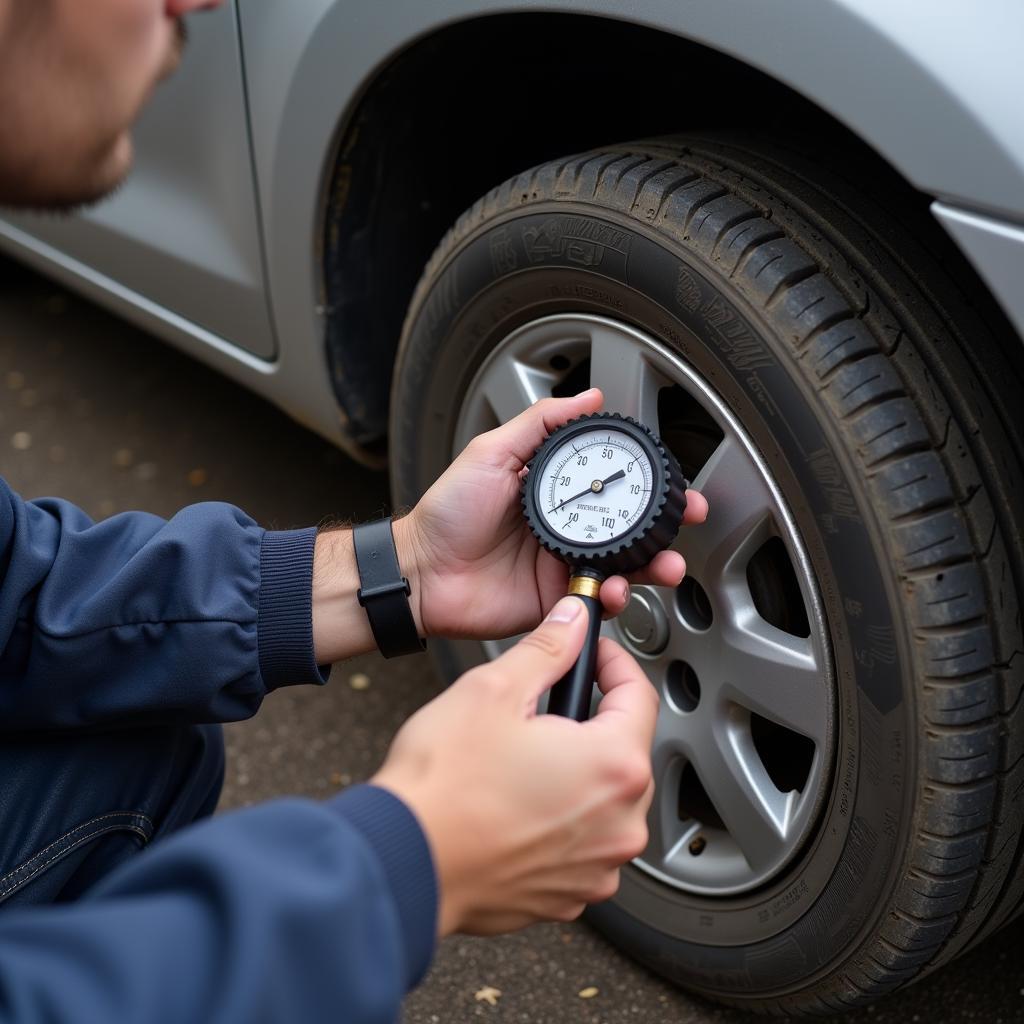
x: 660, y: 523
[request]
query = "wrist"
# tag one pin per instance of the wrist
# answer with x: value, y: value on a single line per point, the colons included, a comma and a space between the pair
x: 340, y: 626
x: 410, y: 561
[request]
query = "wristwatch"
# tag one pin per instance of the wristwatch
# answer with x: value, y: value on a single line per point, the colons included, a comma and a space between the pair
x: 384, y: 591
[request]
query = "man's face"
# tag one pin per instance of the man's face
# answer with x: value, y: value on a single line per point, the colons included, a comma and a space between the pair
x: 74, y: 75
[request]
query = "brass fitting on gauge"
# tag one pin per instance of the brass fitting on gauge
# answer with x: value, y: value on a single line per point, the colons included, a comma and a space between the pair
x: 584, y: 586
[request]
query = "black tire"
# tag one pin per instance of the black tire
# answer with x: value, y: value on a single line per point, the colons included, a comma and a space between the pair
x: 900, y: 461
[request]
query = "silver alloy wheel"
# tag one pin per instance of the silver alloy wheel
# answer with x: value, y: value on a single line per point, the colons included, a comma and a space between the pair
x: 729, y: 812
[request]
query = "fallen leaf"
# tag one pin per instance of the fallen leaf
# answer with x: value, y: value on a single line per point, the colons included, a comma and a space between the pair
x: 587, y: 993
x: 197, y: 477
x: 488, y: 994
x: 359, y: 681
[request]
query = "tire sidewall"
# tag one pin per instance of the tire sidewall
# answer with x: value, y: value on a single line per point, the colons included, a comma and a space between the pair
x: 595, y: 261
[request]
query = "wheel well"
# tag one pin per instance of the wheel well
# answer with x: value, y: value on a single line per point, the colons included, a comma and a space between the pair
x: 463, y: 109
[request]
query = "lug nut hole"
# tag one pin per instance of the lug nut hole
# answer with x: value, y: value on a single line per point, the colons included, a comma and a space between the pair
x: 694, y: 605
x: 682, y: 686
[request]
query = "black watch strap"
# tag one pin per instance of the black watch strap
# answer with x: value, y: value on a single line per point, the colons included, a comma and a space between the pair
x: 384, y: 591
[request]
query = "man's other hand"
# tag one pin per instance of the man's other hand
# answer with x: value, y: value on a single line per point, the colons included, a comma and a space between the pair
x: 529, y: 817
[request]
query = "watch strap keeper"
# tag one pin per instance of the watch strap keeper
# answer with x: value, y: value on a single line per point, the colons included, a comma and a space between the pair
x: 384, y: 591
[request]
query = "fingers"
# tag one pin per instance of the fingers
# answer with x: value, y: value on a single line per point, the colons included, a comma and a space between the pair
x: 647, y: 799
x: 542, y: 657
x: 614, y: 595
x: 630, y: 703
x: 521, y: 436
x: 666, y: 569
x: 696, y: 510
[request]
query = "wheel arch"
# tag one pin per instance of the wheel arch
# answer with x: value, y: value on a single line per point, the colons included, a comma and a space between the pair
x: 382, y: 204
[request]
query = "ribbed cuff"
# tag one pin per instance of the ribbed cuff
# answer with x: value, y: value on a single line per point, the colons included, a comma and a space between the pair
x: 284, y: 618
x: 396, y: 837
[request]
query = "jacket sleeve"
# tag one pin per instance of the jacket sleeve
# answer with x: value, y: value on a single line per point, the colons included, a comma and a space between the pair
x: 290, y: 911
x: 141, y: 619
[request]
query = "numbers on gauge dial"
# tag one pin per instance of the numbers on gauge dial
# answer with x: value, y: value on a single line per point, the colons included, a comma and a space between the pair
x: 595, y: 486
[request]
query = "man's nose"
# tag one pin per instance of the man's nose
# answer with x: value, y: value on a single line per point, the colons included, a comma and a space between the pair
x: 176, y: 8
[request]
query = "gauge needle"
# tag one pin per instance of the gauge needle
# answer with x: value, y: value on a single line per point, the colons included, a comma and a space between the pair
x: 595, y: 488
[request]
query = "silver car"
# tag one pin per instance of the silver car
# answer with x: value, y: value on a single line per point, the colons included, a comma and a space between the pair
x: 787, y: 236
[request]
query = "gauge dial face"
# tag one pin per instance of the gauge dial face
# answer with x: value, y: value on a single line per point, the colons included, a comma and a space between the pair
x: 595, y: 486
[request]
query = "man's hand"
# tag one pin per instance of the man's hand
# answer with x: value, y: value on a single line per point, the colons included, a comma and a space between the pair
x: 529, y: 817
x: 476, y: 568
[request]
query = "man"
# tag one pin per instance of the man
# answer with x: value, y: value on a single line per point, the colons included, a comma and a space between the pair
x: 121, y: 642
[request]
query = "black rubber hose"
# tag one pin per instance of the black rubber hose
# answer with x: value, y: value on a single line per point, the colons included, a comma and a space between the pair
x: 570, y: 696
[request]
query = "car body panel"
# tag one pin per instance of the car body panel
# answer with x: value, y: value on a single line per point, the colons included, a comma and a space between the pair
x: 183, y: 231
x: 932, y: 90
x: 996, y: 250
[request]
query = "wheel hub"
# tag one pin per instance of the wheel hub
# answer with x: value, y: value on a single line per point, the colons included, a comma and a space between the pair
x: 739, y: 652
x: 644, y: 624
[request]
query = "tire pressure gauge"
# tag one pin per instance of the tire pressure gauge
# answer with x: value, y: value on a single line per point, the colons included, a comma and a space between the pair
x: 604, y: 495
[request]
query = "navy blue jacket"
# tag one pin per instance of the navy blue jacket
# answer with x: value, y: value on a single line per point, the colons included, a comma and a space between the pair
x: 290, y: 911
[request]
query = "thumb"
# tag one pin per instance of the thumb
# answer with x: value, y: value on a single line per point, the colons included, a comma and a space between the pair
x: 542, y: 657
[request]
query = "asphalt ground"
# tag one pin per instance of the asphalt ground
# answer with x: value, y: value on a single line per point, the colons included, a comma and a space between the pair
x: 98, y: 412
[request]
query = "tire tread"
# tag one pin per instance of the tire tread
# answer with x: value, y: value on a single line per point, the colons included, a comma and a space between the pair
x: 888, y: 357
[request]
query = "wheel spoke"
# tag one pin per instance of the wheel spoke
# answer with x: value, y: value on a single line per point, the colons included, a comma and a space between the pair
x: 629, y: 382
x: 663, y: 824
x: 723, y: 662
x: 754, y: 812
x: 512, y: 385
x: 774, y: 674
x: 740, y: 516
